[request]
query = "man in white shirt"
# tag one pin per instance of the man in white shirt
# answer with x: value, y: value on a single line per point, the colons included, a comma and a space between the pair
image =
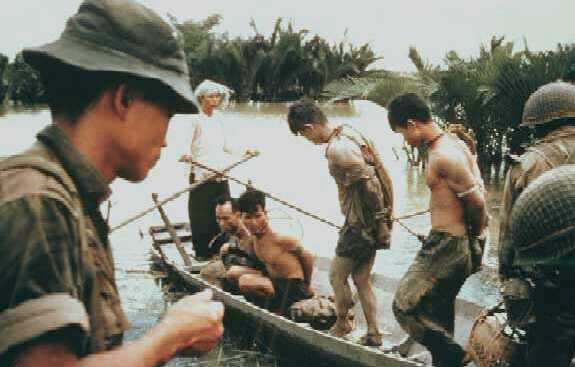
x: 210, y: 147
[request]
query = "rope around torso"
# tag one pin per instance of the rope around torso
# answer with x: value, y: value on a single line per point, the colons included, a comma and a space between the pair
x: 303, y: 211
x: 179, y: 193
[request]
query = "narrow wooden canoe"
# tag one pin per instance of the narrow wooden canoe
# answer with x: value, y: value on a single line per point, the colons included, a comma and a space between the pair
x: 312, y: 346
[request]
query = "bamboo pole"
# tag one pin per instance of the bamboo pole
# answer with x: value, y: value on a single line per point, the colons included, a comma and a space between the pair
x: 314, y: 216
x: 172, y: 232
x: 179, y: 193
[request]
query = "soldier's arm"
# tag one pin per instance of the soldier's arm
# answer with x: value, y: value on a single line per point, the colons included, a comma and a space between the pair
x: 39, y: 264
x: 463, y: 183
x: 305, y: 257
x: 42, y: 321
x: 193, y: 323
x: 522, y: 171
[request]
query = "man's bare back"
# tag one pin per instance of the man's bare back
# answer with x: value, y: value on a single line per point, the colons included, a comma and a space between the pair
x: 451, y: 170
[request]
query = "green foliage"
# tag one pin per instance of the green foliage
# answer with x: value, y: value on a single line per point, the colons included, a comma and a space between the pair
x: 487, y: 94
x: 286, y: 65
x: 3, y: 81
x: 25, y: 85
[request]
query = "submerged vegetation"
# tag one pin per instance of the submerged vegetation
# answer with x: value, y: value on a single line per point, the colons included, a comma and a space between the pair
x: 484, y: 94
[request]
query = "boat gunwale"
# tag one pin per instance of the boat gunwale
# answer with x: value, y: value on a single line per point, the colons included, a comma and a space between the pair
x: 366, y: 356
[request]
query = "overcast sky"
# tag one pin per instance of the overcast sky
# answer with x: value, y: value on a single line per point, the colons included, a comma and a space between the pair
x: 434, y: 27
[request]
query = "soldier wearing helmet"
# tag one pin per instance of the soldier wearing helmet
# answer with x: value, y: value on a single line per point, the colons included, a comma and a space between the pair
x: 541, y: 236
x: 550, y: 113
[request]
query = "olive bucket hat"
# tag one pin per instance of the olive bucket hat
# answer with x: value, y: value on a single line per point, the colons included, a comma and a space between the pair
x: 121, y: 36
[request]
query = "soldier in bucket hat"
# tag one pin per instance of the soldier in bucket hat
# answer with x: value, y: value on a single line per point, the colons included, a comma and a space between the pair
x: 542, y: 238
x: 113, y: 81
x: 550, y: 114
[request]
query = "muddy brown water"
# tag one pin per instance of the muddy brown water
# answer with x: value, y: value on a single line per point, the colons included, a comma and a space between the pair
x: 289, y: 167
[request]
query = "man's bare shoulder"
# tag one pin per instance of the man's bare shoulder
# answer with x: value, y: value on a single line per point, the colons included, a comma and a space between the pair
x: 288, y: 243
x: 448, y: 157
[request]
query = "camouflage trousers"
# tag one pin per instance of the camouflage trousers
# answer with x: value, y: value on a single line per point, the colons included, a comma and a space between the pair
x: 424, y: 303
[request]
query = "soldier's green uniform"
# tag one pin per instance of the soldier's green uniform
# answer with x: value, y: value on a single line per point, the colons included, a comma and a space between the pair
x: 548, y: 104
x: 542, y: 239
x: 535, y: 240
x: 57, y: 280
x: 555, y: 149
x: 57, y: 265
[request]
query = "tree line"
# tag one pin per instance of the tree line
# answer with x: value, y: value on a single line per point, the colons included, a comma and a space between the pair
x: 286, y: 65
x: 484, y: 94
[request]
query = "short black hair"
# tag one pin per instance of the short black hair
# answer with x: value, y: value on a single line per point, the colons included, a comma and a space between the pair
x: 225, y: 198
x: 405, y: 107
x: 222, y: 199
x: 248, y: 201
x: 70, y: 90
x: 304, y: 112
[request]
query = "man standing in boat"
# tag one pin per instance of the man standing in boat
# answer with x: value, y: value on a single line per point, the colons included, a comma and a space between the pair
x: 366, y: 200
x: 113, y: 81
x: 210, y: 146
x: 288, y: 266
x: 424, y: 303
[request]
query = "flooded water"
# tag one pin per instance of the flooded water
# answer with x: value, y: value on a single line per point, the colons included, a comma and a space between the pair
x: 289, y: 167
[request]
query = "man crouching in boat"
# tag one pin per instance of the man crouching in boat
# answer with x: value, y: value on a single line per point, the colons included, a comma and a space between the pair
x: 288, y: 266
x: 232, y: 234
x: 233, y: 246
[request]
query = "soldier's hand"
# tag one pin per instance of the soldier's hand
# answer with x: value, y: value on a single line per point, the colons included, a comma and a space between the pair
x: 195, y: 322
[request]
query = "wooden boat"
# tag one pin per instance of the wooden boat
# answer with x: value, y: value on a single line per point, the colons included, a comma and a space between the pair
x: 299, y: 342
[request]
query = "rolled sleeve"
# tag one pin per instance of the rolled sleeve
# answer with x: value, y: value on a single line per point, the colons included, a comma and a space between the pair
x: 42, y: 273
x: 36, y: 317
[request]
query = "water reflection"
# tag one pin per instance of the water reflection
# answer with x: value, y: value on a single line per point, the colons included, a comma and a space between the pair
x: 289, y: 167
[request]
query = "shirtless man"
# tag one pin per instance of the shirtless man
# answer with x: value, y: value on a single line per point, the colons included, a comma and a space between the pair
x: 288, y: 265
x: 424, y: 303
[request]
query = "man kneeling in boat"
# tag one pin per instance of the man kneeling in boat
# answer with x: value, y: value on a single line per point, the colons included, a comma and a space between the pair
x: 288, y: 266
x: 232, y: 234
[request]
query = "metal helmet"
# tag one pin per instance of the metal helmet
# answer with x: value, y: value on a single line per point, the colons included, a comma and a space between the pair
x: 549, y: 102
x: 542, y: 222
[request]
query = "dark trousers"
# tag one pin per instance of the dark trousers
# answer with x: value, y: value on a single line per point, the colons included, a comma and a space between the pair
x: 424, y: 303
x: 201, y: 210
x: 551, y: 339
